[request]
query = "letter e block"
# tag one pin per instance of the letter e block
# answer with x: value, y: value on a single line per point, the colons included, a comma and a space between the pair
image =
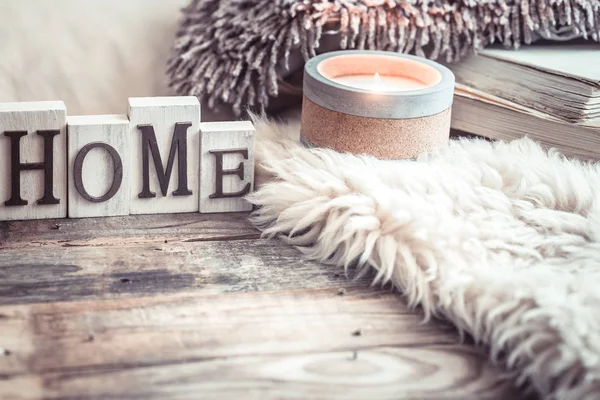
x: 99, y: 154
x: 164, y: 154
x: 227, y: 166
x: 33, y: 160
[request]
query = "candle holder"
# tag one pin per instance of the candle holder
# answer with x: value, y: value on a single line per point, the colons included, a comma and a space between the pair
x: 387, y: 119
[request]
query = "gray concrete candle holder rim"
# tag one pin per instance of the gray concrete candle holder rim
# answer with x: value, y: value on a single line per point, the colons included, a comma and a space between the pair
x: 418, y: 103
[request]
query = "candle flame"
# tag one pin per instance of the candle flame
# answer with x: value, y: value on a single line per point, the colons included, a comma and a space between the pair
x: 377, y: 84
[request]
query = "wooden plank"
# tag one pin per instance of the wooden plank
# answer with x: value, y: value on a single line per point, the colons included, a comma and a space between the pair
x: 117, y: 231
x: 55, y: 273
x: 432, y: 372
x: 292, y: 344
x: 37, y: 131
x: 99, y: 155
x: 164, y: 124
x: 227, y: 166
x: 106, y: 309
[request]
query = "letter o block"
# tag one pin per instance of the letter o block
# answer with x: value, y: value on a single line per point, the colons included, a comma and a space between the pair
x: 33, y: 162
x: 164, y: 155
x: 99, y: 170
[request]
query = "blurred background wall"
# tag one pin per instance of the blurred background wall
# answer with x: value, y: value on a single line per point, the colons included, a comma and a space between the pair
x: 92, y: 54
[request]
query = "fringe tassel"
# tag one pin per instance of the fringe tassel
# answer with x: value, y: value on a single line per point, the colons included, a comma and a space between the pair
x: 232, y: 51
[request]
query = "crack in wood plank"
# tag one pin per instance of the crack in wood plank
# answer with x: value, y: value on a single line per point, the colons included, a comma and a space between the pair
x: 211, y: 239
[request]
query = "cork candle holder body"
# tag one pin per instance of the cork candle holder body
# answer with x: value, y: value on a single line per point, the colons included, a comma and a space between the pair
x: 388, y: 124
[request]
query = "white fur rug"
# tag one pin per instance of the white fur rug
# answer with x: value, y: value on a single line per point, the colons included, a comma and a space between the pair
x: 501, y: 239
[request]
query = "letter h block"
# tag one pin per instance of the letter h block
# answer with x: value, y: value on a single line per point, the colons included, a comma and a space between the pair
x: 227, y: 166
x: 33, y: 160
x: 164, y: 154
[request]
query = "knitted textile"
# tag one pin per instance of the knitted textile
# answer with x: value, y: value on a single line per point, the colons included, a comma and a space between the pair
x: 240, y: 52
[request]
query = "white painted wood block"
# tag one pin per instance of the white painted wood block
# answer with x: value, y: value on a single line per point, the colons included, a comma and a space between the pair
x: 33, y: 147
x: 99, y: 155
x: 157, y: 187
x: 226, y: 166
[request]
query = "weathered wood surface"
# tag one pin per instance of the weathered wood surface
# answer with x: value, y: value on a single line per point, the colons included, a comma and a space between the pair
x: 74, y: 273
x: 108, y: 310
x: 118, y: 231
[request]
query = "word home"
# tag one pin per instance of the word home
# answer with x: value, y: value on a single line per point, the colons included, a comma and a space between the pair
x: 159, y: 158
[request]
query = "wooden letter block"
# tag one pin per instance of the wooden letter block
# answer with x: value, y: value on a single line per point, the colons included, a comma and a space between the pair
x: 99, y: 154
x: 33, y: 160
x: 164, y: 154
x: 227, y: 166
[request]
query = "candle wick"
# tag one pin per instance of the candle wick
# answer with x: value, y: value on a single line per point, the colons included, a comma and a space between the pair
x: 377, y: 84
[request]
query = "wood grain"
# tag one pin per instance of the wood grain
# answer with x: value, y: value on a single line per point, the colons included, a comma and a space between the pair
x: 118, y: 231
x: 188, y: 306
x: 293, y: 344
x: 54, y: 273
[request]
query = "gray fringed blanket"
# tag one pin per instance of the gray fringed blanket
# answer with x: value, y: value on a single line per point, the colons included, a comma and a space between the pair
x: 244, y: 52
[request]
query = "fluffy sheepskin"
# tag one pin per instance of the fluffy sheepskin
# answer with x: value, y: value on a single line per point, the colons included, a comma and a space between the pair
x: 501, y: 239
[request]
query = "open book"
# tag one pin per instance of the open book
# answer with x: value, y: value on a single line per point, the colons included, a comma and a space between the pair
x: 560, y: 79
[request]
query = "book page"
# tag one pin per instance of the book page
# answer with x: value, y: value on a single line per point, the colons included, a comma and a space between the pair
x: 580, y: 61
x: 466, y: 91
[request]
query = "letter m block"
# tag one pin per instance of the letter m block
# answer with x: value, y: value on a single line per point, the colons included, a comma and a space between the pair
x: 33, y: 161
x: 164, y: 154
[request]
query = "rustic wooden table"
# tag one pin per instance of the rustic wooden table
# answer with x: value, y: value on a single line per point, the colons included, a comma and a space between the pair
x: 195, y: 306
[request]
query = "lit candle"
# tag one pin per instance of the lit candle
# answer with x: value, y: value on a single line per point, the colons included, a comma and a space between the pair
x: 377, y: 83
x: 388, y: 105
